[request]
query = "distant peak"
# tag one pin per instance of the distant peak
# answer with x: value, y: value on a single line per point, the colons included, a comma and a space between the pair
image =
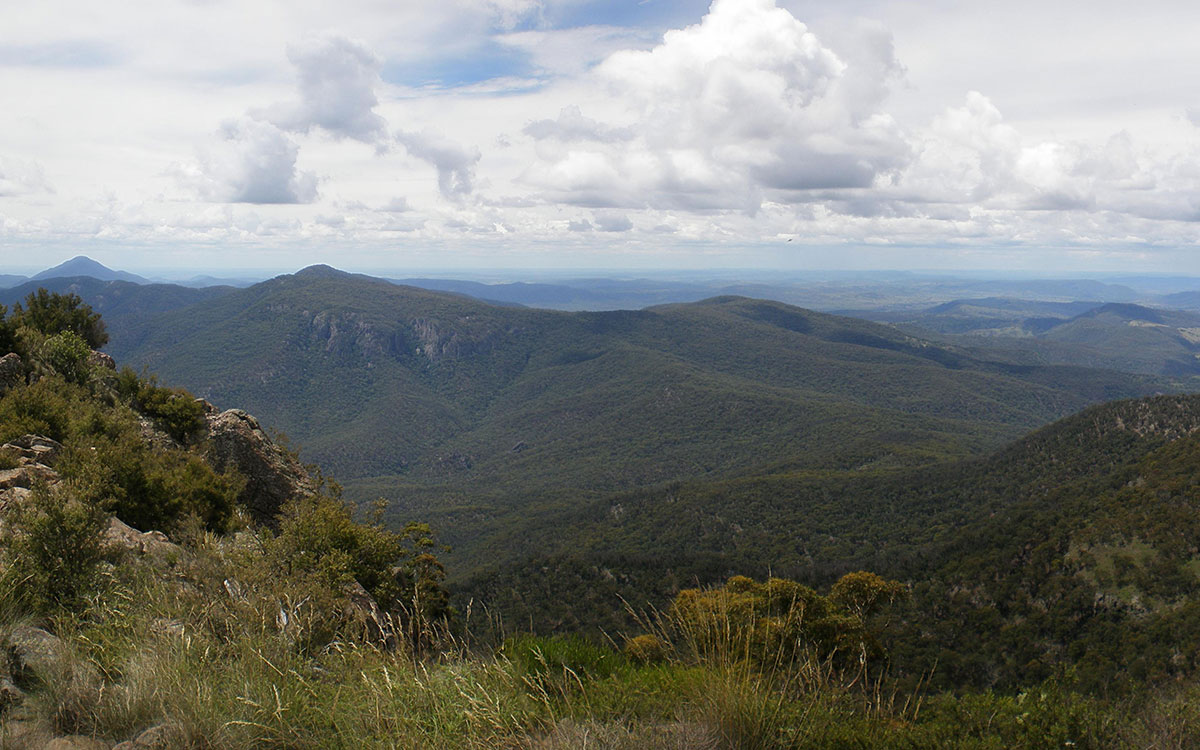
x: 320, y: 271
x: 81, y: 265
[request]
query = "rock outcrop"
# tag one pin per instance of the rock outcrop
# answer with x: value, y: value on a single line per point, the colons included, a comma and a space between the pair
x: 150, y: 544
x: 361, y: 608
x: 34, y: 455
x: 33, y: 449
x: 100, y: 359
x: 273, y: 476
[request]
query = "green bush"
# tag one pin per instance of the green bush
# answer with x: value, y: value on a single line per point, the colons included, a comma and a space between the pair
x: 52, y: 545
x: 782, y: 623
x: 174, y: 409
x: 645, y: 649
x: 152, y: 489
x: 319, y: 540
x: 67, y: 355
x: 50, y: 407
x: 51, y: 313
x: 8, y: 333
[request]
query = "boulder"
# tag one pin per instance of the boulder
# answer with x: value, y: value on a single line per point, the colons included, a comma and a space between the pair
x: 159, y: 737
x: 152, y: 544
x: 11, y: 496
x: 17, y: 734
x: 12, y: 372
x: 361, y: 608
x: 10, y: 695
x: 273, y: 476
x: 34, y: 654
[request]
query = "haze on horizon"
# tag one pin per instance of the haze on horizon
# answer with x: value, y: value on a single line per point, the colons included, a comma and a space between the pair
x: 565, y: 134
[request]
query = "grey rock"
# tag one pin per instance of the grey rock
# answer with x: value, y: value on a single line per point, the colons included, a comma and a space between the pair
x: 17, y: 734
x: 10, y: 694
x: 10, y: 497
x: 34, y: 654
x: 34, y: 449
x: 362, y: 609
x: 12, y: 372
x: 273, y: 476
x: 158, y: 737
x: 100, y: 359
x: 26, y: 476
x: 152, y: 544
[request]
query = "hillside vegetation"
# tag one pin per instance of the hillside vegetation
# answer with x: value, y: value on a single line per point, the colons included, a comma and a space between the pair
x: 484, y: 419
x: 271, y: 614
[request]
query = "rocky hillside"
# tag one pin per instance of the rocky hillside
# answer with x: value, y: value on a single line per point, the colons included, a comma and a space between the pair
x: 117, y: 492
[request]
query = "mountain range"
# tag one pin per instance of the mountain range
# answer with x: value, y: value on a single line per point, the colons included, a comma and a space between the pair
x: 570, y: 458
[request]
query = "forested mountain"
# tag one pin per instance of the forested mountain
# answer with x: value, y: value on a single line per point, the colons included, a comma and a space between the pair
x: 373, y: 379
x: 1063, y: 565
x: 1073, y: 546
x: 82, y: 265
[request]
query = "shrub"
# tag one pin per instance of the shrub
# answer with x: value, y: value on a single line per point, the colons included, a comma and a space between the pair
x: 319, y: 539
x: 781, y: 622
x: 645, y: 649
x: 51, y: 313
x: 49, y: 407
x: 8, y: 332
x: 174, y: 409
x: 152, y: 489
x: 52, y: 545
x: 67, y: 355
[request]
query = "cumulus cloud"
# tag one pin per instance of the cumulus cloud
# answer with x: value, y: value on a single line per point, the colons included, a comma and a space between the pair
x: 251, y: 162
x: 20, y: 177
x: 971, y: 156
x: 747, y: 101
x: 455, y: 164
x: 337, y: 77
x: 611, y: 221
x: 571, y: 125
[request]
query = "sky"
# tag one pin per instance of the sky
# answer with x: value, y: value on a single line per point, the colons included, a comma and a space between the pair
x: 397, y: 135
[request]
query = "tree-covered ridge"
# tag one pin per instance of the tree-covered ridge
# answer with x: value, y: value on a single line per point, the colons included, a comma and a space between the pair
x: 485, y: 419
x: 1070, y: 550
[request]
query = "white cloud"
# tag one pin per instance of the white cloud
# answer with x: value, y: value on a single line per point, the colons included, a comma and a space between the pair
x: 22, y: 177
x: 748, y: 100
x: 455, y: 164
x: 251, y: 162
x: 571, y: 126
x: 337, y: 81
x: 612, y: 221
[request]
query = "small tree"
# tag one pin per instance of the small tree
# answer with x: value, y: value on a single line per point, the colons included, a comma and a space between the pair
x: 51, y: 313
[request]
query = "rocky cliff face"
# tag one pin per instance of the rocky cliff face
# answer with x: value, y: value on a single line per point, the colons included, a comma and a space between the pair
x: 273, y: 476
